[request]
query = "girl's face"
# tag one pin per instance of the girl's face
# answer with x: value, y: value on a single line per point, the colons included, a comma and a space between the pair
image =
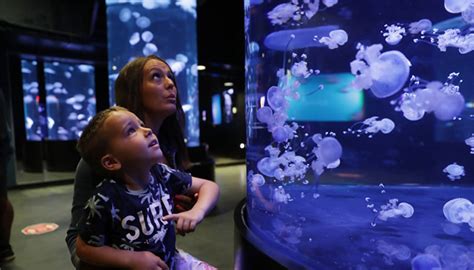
x: 158, y: 90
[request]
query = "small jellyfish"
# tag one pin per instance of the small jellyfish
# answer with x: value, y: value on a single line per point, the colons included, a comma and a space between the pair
x: 125, y: 14
x: 147, y: 36
x: 258, y: 180
x: 336, y: 38
x: 454, y: 171
x: 282, y: 13
x: 394, y: 34
x: 419, y: 26
x: 149, y: 49
x: 425, y: 262
x: 276, y: 98
x: 392, y: 210
x: 328, y: 152
x: 329, y: 3
x: 470, y: 142
x: 152, y: 4
x: 280, y: 195
x: 300, y: 69
x: 371, y: 126
x: 143, y: 22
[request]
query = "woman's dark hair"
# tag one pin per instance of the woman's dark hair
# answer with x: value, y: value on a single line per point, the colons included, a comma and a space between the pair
x: 128, y: 94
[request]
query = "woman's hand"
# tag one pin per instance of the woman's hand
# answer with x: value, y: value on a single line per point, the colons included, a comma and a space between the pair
x: 186, y: 221
x: 146, y: 260
x: 184, y: 203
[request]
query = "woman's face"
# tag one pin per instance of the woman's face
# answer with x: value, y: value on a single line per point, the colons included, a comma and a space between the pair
x: 158, y: 90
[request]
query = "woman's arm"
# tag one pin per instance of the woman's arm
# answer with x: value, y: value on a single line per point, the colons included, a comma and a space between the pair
x: 84, y: 185
x: 208, y: 195
x: 106, y: 256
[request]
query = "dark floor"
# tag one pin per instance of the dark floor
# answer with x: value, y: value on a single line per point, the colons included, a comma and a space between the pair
x: 212, y: 241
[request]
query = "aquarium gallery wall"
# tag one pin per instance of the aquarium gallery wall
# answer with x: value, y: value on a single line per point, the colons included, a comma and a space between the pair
x: 164, y: 28
x: 360, y: 132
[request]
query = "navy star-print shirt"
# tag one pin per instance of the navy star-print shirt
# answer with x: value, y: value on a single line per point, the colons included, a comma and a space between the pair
x: 132, y: 220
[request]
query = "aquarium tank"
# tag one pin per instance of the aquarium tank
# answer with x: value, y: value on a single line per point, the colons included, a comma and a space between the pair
x: 32, y: 107
x: 157, y: 27
x: 360, y: 132
x: 70, y: 99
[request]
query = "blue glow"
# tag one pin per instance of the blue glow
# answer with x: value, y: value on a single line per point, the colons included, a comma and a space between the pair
x: 166, y: 29
x: 31, y: 106
x: 336, y: 101
x: 216, y: 110
x: 70, y: 99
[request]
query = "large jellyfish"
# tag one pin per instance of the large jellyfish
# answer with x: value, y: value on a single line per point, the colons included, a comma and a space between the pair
x: 420, y: 97
x: 457, y: 6
x: 328, y: 152
x: 371, y: 126
x: 470, y: 142
x: 462, y: 39
x: 336, y: 38
x: 459, y: 210
x: 425, y: 262
x: 454, y: 171
x: 384, y: 74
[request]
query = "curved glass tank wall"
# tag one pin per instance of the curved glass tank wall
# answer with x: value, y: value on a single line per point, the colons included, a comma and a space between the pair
x: 361, y: 132
x: 164, y: 28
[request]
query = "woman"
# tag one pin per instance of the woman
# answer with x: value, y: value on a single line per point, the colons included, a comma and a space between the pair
x: 146, y: 86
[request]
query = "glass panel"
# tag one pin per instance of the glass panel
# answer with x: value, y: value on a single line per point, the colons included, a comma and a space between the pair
x: 361, y: 132
x: 31, y: 101
x: 164, y: 28
x: 70, y: 99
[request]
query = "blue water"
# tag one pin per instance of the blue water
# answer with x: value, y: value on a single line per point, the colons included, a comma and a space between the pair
x: 334, y: 231
x: 163, y: 28
x: 355, y: 107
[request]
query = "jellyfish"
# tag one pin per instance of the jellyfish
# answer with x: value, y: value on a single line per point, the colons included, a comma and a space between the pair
x: 258, y: 180
x: 454, y: 171
x: 468, y: 14
x: 371, y: 126
x: 384, y: 74
x: 421, y: 96
x: 288, y: 40
x: 300, y: 69
x: 457, y: 6
x: 296, y: 12
x: 143, y: 22
x: 394, y: 34
x: 328, y: 152
x: 419, y: 26
x: 280, y: 195
x: 399, y: 252
x: 462, y: 39
x: 147, y: 36
x: 336, y: 38
x: 459, y: 210
x: 187, y: 6
x: 425, y: 262
x: 470, y: 142
x: 152, y: 4
x: 392, y: 210
x: 125, y: 14
x: 149, y: 49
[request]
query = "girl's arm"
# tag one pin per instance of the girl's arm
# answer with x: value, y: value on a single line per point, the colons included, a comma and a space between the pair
x: 106, y: 256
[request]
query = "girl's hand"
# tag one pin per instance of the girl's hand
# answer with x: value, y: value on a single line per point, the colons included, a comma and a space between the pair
x: 186, y: 221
